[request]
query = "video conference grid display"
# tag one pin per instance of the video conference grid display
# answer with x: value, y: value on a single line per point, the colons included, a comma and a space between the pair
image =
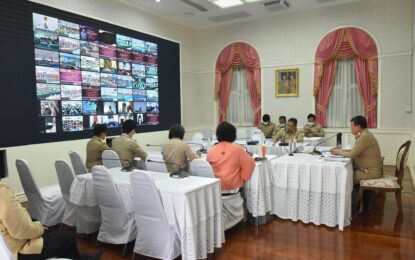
x: 86, y: 76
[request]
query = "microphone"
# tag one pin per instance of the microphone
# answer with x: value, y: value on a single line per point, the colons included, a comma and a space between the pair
x: 325, y: 140
x: 157, y: 145
x: 202, y: 147
x: 180, y: 173
x: 246, y: 149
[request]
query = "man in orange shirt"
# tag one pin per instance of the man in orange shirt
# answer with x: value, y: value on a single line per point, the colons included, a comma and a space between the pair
x: 233, y: 166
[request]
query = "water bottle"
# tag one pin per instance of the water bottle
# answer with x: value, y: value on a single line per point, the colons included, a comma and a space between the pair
x: 264, y: 151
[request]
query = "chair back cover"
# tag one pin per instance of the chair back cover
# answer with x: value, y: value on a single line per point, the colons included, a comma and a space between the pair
x: 207, y: 133
x: 201, y: 168
x: 197, y: 138
x: 65, y: 178
x: 151, y: 219
x: 4, y: 250
x: 77, y: 163
x: 158, y: 164
x: 110, y: 159
x: 117, y: 227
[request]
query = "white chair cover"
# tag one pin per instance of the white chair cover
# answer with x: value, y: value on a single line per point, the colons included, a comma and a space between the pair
x: 4, y: 250
x: 110, y: 159
x: 155, y: 238
x: 77, y: 163
x: 258, y: 137
x: 117, y: 224
x: 207, y: 133
x: 46, y: 204
x: 233, y: 211
x: 201, y: 168
x: 156, y: 166
x: 65, y: 178
x: 241, y: 133
x: 197, y: 138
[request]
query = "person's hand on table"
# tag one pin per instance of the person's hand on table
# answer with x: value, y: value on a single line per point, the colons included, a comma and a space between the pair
x: 334, y: 151
x: 199, y: 153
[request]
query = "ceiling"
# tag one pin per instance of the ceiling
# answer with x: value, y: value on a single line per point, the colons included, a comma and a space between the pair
x: 184, y: 13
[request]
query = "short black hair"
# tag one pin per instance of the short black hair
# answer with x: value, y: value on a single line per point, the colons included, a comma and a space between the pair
x: 293, y: 120
x: 283, y: 117
x: 99, y: 129
x: 311, y: 116
x: 128, y: 126
x: 226, y: 132
x: 266, y: 118
x: 359, y: 121
x: 176, y: 131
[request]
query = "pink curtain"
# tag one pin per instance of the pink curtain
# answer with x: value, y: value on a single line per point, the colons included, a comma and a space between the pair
x: 233, y: 55
x: 345, y: 43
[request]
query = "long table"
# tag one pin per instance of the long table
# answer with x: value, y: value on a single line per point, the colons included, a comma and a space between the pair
x: 192, y: 204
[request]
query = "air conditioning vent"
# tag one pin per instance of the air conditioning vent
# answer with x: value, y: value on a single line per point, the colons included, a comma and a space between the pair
x: 276, y: 5
x: 227, y: 17
x: 195, y: 5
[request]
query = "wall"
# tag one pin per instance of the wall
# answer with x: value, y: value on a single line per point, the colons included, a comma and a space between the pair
x: 290, y: 40
x: 41, y: 157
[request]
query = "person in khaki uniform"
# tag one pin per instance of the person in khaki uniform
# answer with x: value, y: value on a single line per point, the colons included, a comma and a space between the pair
x: 266, y: 126
x: 289, y: 133
x: 126, y: 147
x: 313, y: 129
x: 176, y: 152
x: 29, y: 240
x: 367, y: 161
x: 282, y: 121
x: 96, y: 146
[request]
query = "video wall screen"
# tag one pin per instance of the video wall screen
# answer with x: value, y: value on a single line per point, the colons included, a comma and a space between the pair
x: 67, y: 73
x: 87, y: 76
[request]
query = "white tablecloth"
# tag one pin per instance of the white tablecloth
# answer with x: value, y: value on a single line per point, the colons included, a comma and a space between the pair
x: 308, y: 189
x: 192, y: 204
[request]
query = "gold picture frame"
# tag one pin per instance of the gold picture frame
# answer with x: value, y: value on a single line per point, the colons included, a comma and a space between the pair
x: 287, y: 83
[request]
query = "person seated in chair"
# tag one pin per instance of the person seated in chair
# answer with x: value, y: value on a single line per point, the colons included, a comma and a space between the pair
x: 312, y: 129
x: 126, y: 146
x: 96, y: 146
x: 282, y: 122
x: 176, y: 152
x: 30, y: 240
x: 290, y: 133
x: 233, y: 166
x: 366, y: 156
x: 266, y: 126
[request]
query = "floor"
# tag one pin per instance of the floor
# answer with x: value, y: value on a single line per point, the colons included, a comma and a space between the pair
x: 379, y: 233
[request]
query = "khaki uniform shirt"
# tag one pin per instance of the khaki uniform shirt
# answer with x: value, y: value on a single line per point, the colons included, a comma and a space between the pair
x: 20, y: 233
x: 313, y: 131
x: 175, y: 151
x: 267, y: 129
x: 277, y: 128
x: 365, y: 153
x: 94, y: 150
x: 127, y: 148
x: 286, y: 137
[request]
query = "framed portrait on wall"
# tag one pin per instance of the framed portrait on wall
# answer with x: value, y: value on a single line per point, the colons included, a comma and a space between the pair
x: 287, y: 83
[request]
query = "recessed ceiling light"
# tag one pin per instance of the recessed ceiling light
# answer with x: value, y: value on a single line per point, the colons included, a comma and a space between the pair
x: 227, y: 3
x: 157, y: 1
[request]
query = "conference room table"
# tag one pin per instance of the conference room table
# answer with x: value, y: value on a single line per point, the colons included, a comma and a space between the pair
x: 191, y: 204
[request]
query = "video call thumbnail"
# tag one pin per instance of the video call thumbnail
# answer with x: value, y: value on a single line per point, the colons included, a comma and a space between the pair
x: 91, y: 107
x: 50, y: 124
x: 140, y: 119
x: 125, y: 81
x: 152, y: 95
x: 90, y: 79
x: 125, y: 107
x: 125, y: 94
x: 123, y: 54
x: 123, y: 41
x: 138, y: 45
x: 139, y: 83
x: 153, y: 119
x: 138, y: 70
x: 71, y: 108
x: 69, y: 45
x: 152, y: 107
x: 91, y: 92
x: 107, y: 51
x: 48, y: 91
x: 151, y: 70
x: 46, y: 23
x: 46, y: 58
x: 49, y: 108
x: 139, y: 95
x: 71, y: 92
x: 90, y: 63
x: 137, y: 56
x: 47, y: 75
x: 110, y: 108
x: 109, y: 80
x: 151, y: 48
x: 109, y: 94
x: 107, y: 37
x: 68, y: 76
x: 68, y: 29
x: 123, y: 118
x: 89, y: 49
x: 108, y: 65
x: 152, y: 83
x: 150, y: 59
x: 88, y: 33
x: 72, y: 123
x: 124, y: 68
x: 70, y: 61
x: 46, y: 40
x: 140, y: 107
x: 111, y: 121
